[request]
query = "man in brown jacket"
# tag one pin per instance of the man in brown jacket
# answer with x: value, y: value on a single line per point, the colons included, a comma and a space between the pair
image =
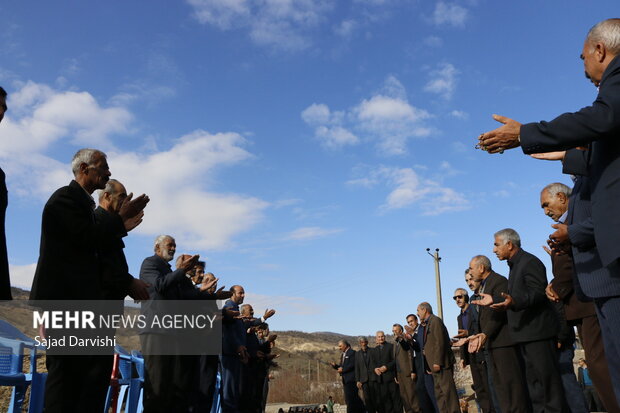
x: 439, y: 359
x: 405, y: 370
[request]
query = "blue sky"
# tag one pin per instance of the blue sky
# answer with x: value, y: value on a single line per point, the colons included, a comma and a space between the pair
x: 310, y: 150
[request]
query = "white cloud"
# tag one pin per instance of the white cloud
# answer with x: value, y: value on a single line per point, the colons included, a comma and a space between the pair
x: 181, y: 204
x: 346, y: 28
x: 284, y: 304
x: 459, y: 114
x: 450, y: 14
x: 45, y: 116
x: 387, y: 118
x: 308, y: 233
x: 443, y: 80
x: 328, y: 129
x: 433, y: 41
x: 177, y: 179
x: 22, y: 275
x: 408, y: 187
x: 283, y: 24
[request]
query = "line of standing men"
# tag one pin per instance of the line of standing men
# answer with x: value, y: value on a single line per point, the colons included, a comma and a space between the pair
x: 414, y: 374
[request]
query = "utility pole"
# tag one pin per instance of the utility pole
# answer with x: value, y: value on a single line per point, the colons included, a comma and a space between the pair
x: 437, y: 258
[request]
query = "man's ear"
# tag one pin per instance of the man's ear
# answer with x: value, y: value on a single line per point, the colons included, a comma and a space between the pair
x: 601, y: 52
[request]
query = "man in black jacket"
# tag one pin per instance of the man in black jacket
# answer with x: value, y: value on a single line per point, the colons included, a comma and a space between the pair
x: 5, y: 282
x: 495, y: 337
x: 346, y: 369
x: 69, y: 268
x: 365, y: 376
x: 383, y: 356
x: 533, y: 323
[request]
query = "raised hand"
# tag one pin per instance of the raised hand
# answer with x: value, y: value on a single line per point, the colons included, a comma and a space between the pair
x: 502, y: 138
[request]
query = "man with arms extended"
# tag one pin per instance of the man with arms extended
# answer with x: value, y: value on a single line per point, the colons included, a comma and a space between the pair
x: 439, y: 359
x: 555, y: 201
x: 405, y: 370
x: 533, y: 323
x: 495, y: 336
x: 5, y: 282
x: 69, y: 268
x: 597, y: 127
x: 467, y: 322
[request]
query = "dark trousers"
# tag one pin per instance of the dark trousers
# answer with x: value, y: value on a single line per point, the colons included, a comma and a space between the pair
x: 168, y: 378
x: 204, y: 383
x: 508, y: 380
x: 231, y: 371
x: 429, y: 388
x: 594, y: 349
x: 572, y: 390
x: 592, y: 399
x: 543, y: 375
x: 608, y: 312
x: 388, y: 397
x: 481, y: 382
x: 488, y: 364
x: 445, y: 391
x: 354, y: 404
x: 369, y: 390
x: 77, y: 383
x: 408, y: 393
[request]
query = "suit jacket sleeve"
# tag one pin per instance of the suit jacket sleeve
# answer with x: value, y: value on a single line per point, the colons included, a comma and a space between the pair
x: 580, y: 128
x: 535, y: 282
x: 161, y: 283
x: 575, y: 162
x: 494, y: 324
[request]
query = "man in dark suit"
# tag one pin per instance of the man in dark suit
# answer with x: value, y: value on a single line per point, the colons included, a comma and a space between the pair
x: 405, y: 370
x: 168, y: 379
x: 596, y: 127
x: 69, y: 269
x: 346, y: 369
x: 439, y: 359
x: 533, y: 323
x: 117, y: 282
x: 555, y: 200
x: 385, y: 371
x: 424, y: 383
x: 365, y: 376
x: 495, y: 336
x: 468, y: 324
x: 5, y: 281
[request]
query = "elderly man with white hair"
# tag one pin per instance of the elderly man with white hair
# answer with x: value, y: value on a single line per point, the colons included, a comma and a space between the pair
x: 69, y: 268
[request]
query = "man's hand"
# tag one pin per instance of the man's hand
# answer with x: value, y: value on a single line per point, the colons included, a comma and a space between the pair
x: 504, y: 305
x: 550, y: 156
x: 414, y: 376
x: 187, y: 262
x: 477, y: 343
x: 551, y: 294
x: 461, y: 342
x: 396, y: 380
x: 132, y: 207
x: 131, y: 223
x: 462, y: 364
x: 484, y: 300
x: 378, y: 371
x: 223, y: 295
x: 138, y: 290
x: 462, y: 333
x: 340, y: 370
x: 560, y: 236
x: 502, y: 138
x: 359, y: 385
x: 269, y: 313
x: 436, y: 368
x: 205, y: 286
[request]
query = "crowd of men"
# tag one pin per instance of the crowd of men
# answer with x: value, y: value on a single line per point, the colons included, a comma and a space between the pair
x: 82, y: 258
x: 518, y: 333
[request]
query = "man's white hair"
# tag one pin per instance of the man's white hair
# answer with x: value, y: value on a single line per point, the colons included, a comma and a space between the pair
x: 509, y: 234
x: 557, y: 187
x: 160, y: 239
x: 608, y: 33
x: 86, y: 156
